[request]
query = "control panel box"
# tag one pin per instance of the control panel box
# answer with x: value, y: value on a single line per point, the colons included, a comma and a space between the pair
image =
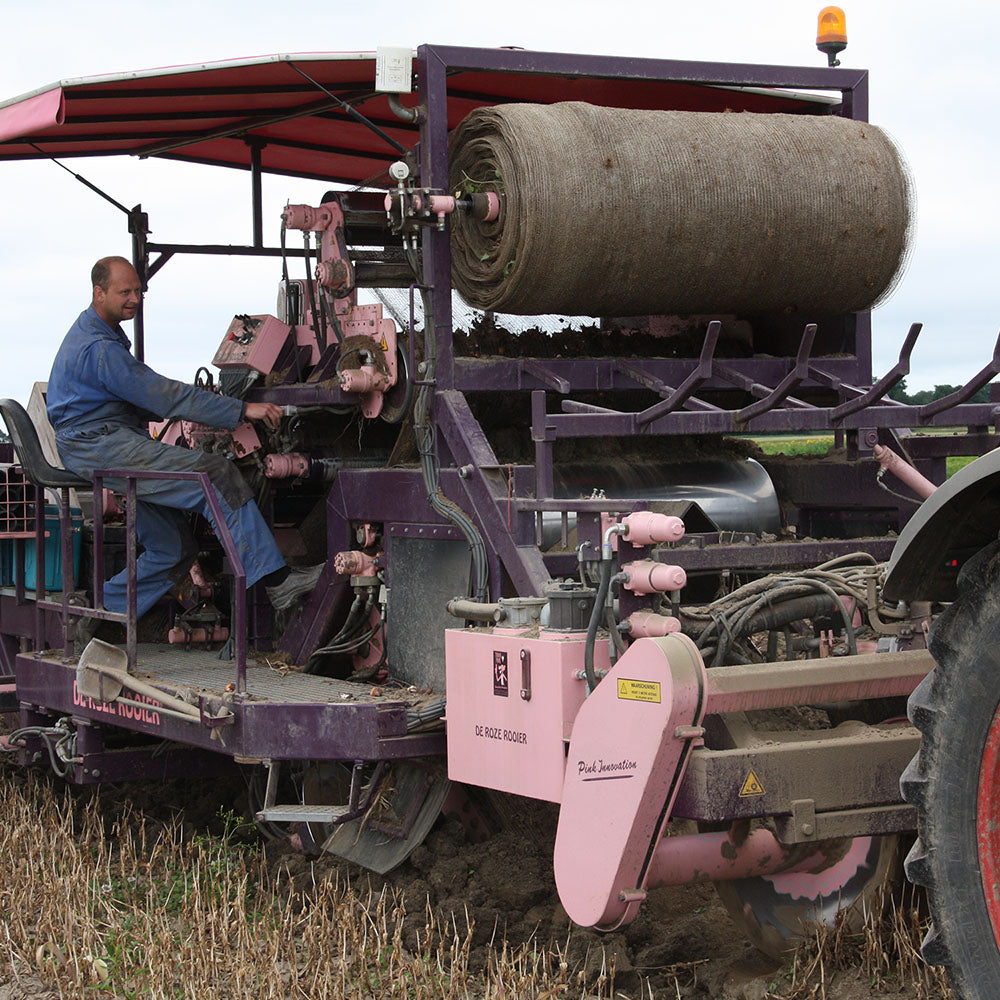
x: 512, y: 699
x: 252, y: 342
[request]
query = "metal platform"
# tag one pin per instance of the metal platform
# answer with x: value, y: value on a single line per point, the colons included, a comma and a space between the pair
x: 282, y: 715
x: 198, y: 670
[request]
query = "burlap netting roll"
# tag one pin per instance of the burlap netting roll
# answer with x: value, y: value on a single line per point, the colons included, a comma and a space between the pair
x: 614, y: 212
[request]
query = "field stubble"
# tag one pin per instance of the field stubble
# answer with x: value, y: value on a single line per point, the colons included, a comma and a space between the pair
x: 103, y: 898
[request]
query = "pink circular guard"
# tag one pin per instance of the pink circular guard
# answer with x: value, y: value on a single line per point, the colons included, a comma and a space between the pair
x: 331, y: 273
x: 493, y: 200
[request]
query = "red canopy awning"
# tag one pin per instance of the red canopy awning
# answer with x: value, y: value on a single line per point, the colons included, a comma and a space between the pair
x: 215, y: 112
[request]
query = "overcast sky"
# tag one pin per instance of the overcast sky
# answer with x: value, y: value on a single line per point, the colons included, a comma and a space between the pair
x: 934, y: 84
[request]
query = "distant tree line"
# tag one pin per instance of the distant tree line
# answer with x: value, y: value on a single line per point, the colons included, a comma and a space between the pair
x: 927, y: 395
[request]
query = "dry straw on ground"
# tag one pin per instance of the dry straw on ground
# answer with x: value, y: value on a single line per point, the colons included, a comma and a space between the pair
x: 885, y: 950
x: 140, y: 907
x: 135, y: 911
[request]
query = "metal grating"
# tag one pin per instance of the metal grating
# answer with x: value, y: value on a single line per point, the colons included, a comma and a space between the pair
x: 201, y: 670
x: 302, y: 814
x: 17, y: 503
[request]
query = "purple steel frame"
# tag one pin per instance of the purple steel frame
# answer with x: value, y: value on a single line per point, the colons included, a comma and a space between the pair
x: 436, y: 63
x: 252, y: 729
x: 248, y: 729
x: 397, y: 497
x: 860, y: 409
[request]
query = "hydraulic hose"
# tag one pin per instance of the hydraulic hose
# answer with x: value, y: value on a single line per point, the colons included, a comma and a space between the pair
x: 418, y: 717
x: 287, y: 286
x: 356, y: 617
x: 607, y: 566
x: 424, y: 434
x: 616, y: 636
x: 317, y: 326
x: 790, y: 611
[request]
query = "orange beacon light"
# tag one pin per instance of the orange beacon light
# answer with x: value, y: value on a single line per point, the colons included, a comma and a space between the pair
x: 831, y: 35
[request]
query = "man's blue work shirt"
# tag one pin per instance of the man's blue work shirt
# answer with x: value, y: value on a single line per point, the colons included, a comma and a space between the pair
x: 96, y: 382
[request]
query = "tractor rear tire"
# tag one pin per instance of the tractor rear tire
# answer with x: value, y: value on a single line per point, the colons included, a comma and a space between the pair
x: 954, y: 782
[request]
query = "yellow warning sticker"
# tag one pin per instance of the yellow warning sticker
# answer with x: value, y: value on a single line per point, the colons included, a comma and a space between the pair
x: 631, y: 690
x: 751, y: 786
x: 383, y: 343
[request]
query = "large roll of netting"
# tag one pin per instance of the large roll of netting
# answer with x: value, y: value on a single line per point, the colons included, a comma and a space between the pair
x: 617, y: 212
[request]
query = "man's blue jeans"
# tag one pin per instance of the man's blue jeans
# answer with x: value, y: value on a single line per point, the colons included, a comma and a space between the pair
x: 162, y: 522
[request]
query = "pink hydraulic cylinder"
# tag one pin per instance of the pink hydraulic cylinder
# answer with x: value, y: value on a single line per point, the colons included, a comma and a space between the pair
x: 650, y: 577
x: 199, y: 634
x: 306, y: 217
x: 648, y: 624
x: 363, y: 379
x: 355, y: 563
x: 290, y: 465
x: 903, y: 471
x: 645, y: 527
x: 716, y: 857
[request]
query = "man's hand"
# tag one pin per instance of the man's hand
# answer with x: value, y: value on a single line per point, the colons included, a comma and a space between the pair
x: 270, y: 413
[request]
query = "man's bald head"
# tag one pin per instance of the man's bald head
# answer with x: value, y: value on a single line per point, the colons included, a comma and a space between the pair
x: 117, y: 289
x: 100, y: 273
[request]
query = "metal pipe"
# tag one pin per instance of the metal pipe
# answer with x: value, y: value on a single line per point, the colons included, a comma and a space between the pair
x: 131, y: 577
x: 815, y: 682
x: 138, y: 227
x: 401, y: 111
x: 140, y: 686
x: 255, y: 191
x: 475, y: 611
x: 717, y: 857
x: 98, y: 555
x: 66, y: 553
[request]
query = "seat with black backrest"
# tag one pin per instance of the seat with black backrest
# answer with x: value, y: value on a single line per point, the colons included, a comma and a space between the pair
x: 39, y: 471
x: 37, y: 468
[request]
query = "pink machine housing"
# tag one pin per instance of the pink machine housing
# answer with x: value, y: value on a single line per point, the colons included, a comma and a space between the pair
x: 512, y: 698
x: 514, y: 693
x: 520, y: 721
